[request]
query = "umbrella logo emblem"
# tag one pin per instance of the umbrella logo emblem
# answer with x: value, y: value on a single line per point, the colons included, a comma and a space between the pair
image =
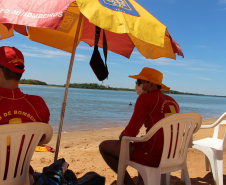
x: 121, y: 6
x: 68, y: 22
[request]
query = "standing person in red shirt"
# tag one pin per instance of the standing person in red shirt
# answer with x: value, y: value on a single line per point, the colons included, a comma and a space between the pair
x: 151, y: 106
x: 15, y: 106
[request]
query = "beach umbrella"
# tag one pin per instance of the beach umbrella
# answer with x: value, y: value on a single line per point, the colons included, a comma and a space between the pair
x: 63, y: 24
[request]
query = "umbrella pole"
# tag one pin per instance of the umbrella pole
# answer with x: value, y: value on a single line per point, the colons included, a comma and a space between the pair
x: 67, y: 86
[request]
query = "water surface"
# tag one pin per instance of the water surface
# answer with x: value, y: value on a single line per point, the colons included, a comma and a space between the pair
x: 95, y: 109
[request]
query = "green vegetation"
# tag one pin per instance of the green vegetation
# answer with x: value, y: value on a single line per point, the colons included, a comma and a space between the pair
x: 97, y: 86
x: 33, y: 82
x: 101, y: 87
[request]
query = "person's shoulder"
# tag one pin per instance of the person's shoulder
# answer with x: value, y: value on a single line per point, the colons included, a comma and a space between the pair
x: 169, y: 97
x: 34, y: 98
x: 154, y: 93
x: 143, y: 95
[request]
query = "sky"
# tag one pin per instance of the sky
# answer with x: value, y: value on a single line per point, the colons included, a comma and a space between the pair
x: 199, y: 26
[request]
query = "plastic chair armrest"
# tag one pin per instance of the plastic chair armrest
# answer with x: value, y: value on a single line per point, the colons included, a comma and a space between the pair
x: 207, y: 126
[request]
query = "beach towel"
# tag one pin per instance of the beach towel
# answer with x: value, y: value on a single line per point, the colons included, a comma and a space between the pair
x: 44, y: 148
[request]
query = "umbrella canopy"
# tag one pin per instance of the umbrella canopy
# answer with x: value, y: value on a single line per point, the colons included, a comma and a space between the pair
x: 126, y: 23
x: 63, y: 24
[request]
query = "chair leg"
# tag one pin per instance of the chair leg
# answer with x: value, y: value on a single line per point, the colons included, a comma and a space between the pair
x: 168, y: 179
x: 207, y: 164
x: 182, y: 178
x: 165, y: 179
x: 211, y: 156
x: 185, y: 176
x: 151, y: 176
x: 220, y: 172
x: 219, y: 167
x: 121, y: 174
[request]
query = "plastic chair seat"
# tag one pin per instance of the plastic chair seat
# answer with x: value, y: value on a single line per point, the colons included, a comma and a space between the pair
x: 177, y: 130
x: 213, y: 149
x: 210, y: 142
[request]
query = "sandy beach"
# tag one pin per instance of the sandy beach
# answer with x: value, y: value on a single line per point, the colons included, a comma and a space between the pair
x: 80, y: 150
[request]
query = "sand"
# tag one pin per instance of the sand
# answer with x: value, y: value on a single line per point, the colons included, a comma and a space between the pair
x: 80, y: 150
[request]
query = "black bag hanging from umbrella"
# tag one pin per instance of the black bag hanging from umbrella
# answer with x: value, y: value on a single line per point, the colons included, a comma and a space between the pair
x: 97, y: 64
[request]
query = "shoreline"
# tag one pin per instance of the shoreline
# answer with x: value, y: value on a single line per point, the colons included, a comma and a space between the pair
x: 132, y: 90
x: 81, y: 151
x: 97, y: 128
x: 43, y: 85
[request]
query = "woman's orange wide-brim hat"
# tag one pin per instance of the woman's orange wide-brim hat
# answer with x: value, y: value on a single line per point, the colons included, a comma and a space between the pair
x: 151, y: 75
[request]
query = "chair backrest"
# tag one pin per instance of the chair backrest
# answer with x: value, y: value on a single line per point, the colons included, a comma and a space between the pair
x: 216, y: 124
x: 178, y: 129
x: 224, y: 140
x: 17, y: 145
x: 216, y: 131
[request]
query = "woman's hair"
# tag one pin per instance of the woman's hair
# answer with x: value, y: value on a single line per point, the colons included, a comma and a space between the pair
x: 159, y: 86
x: 10, y: 75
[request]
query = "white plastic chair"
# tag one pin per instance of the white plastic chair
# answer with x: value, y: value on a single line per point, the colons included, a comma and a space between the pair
x: 22, y: 139
x: 213, y: 149
x: 173, y: 158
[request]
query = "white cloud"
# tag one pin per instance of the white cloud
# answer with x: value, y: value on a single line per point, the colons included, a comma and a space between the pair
x: 112, y: 63
x: 49, y: 54
x: 222, y: 1
x: 190, y: 64
x: 80, y: 57
x: 201, y: 46
x: 42, y: 53
x: 199, y: 77
x: 38, y: 55
x: 28, y: 46
x: 185, y: 74
x: 203, y: 78
x: 85, y: 47
x: 52, y: 52
x: 170, y: 1
x: 135, y: 53
x: 166, y: 61
x: 201, y: 69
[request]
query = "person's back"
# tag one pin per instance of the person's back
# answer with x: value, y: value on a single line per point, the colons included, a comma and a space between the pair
x: 17, y: 107
x: 149, y: 109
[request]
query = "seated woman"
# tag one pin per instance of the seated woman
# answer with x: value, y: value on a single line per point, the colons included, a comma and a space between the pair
x: 151, y: 106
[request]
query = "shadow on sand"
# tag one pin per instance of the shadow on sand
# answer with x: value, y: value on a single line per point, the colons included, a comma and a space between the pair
x: 206, y: 180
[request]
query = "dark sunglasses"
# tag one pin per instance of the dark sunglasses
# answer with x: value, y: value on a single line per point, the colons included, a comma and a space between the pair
x: 139, y: 82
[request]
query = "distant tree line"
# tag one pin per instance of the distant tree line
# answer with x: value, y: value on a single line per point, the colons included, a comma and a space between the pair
x: 101, y: 87
x: 97, y: 86
x: 33, y: 82
x: 178, y: 92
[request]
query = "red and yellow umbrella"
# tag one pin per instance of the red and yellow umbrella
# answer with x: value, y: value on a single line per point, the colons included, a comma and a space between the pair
x: 63, y: 24
x: 126, y: 23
